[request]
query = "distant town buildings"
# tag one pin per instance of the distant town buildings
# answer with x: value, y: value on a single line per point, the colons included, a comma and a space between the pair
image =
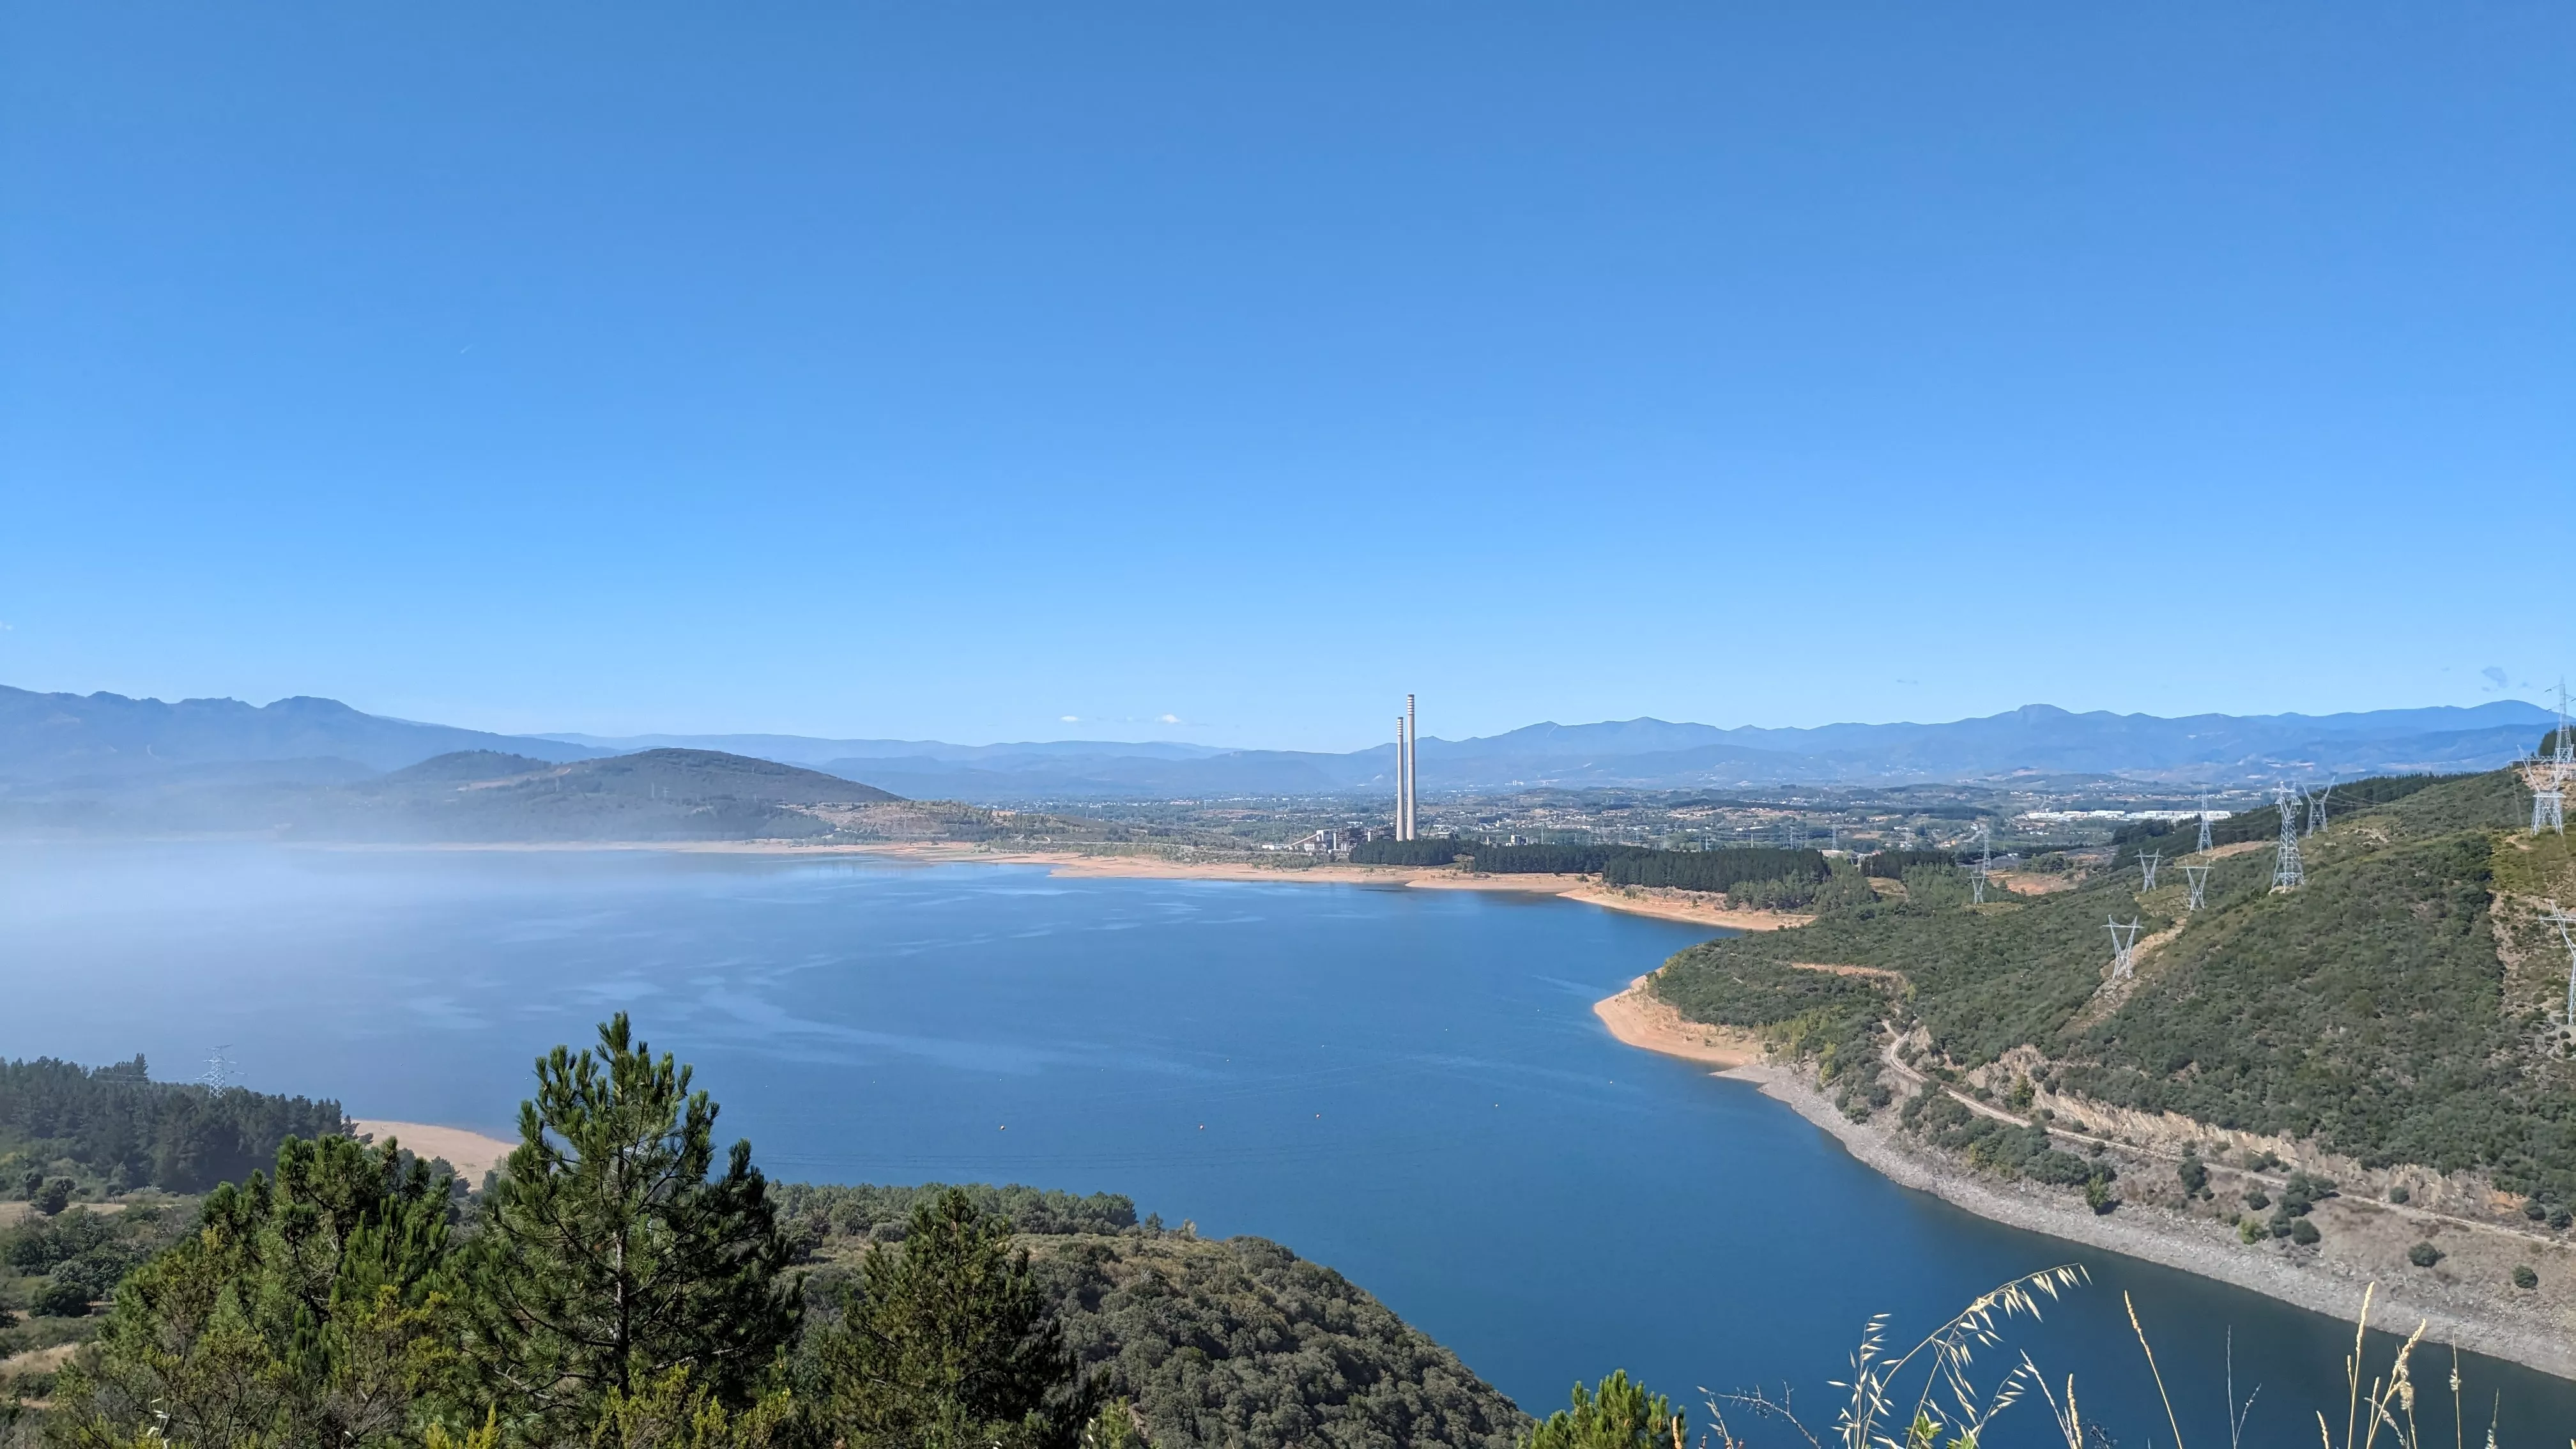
x: 2064, y: 815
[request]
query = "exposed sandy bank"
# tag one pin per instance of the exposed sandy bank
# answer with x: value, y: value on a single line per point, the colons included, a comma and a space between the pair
x: 471, y: 1153
x: 1642, y: 1019
x: 1670, y: 905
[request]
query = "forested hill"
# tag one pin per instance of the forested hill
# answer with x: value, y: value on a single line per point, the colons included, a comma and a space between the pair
x: 653, y: 795
x: 481, y: 795
x: 116, y: 1128
x: 2403, y: 1006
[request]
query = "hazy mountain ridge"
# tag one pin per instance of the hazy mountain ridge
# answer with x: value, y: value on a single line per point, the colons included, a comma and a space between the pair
x: 48, y: 737
x: 468, y: 795
x: 1656, y: 754
x: 74, y: 746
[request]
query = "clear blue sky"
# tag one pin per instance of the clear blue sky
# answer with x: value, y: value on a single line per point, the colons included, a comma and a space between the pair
x: 950, y: 370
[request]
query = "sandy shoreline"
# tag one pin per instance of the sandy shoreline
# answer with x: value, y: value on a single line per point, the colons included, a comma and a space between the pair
x: 2155, y: 1234
x: 1669, y: 905
x: 471, y: 1153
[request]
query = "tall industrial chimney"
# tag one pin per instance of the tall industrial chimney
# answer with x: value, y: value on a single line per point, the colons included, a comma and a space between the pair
x: 1400, y: 832
x: 1412, y: 759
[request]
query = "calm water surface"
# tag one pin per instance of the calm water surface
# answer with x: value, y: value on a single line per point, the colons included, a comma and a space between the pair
x: 1407, y: 1085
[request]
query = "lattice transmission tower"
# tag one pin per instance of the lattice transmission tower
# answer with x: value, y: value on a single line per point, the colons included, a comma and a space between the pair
x: 2288, y: 873
x: 2124, y: 947
x: 2563, y: 921
x: 219, y: 1068
x: 2198, y: 878
x: 1984, y: 868
x: 2317, y: 807
x: 2203, y: 847
x: 2148, y: 860
x: 2547, y: 774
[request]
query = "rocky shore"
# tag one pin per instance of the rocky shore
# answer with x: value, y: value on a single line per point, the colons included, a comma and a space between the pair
x: 2460, y: 1303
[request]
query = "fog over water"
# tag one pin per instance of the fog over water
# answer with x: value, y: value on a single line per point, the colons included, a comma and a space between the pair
x: 1406, y: 1085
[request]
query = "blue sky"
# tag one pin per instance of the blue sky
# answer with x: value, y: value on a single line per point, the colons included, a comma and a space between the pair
x: 1221, y: 372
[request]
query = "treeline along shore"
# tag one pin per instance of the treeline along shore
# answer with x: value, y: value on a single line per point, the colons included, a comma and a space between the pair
x: 2363, y: 1078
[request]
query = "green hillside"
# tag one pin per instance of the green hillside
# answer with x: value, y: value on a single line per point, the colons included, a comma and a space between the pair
x: 2398, y: 1008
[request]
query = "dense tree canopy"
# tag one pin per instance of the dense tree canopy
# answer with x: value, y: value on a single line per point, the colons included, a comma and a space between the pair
x: 127, y: 1130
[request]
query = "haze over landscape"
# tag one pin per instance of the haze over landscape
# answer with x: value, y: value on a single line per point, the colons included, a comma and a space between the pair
x: 1284, y: 728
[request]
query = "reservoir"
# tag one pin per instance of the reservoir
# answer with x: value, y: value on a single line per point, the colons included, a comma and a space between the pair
x: 1407, y: 1085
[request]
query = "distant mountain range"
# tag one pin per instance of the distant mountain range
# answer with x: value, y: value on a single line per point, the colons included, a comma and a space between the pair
x: 103, y: 742
x: 1653, y: 754
x: 46, y: 737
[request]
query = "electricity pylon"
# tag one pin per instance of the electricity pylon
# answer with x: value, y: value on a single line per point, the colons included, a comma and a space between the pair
x: 218, y: 1070
x: 2317, y: 807
x: 2562, y: 921
x: 2204, y: 825
x: 2287, y: 871
x: 1984, y: 869
x: 2148, y: 860
x: 2198, y: 876
x: 2547, y: 775
x: 2124, y: 947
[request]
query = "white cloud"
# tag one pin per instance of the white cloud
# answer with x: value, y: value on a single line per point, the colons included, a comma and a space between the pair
x: 1168, y: 719
x: 1070, y: 718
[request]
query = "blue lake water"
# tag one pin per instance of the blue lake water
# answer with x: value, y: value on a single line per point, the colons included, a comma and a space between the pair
x: 1406, y: 1085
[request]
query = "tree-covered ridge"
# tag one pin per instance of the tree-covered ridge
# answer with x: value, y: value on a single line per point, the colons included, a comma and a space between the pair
x: 118, y: 1128
x: 1243, y: 1343
x: 824, y: 1211
x: 1766, y: 877
x: 2370, y: 1010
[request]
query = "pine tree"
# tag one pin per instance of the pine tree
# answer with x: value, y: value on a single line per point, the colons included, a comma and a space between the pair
x: 1620, y: 1415
x: 607, y: 1259
x: 308, y: 1309
x: 949, y: 1342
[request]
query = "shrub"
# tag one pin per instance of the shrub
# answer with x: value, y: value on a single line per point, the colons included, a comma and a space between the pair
x: 2534, y: 1209
x: 2249, y: 1230
x: 62, y: 1300
x: 2560, y: 1218
x: 2399, y: 1194
x: 2194, y: 1175
x: 2304, y: 1233
x: 2257, y: 1199
x: 2523, y: 1277
x: 2423, y: 1255
x: 2097, y: 1195
x: 53, y: 1197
